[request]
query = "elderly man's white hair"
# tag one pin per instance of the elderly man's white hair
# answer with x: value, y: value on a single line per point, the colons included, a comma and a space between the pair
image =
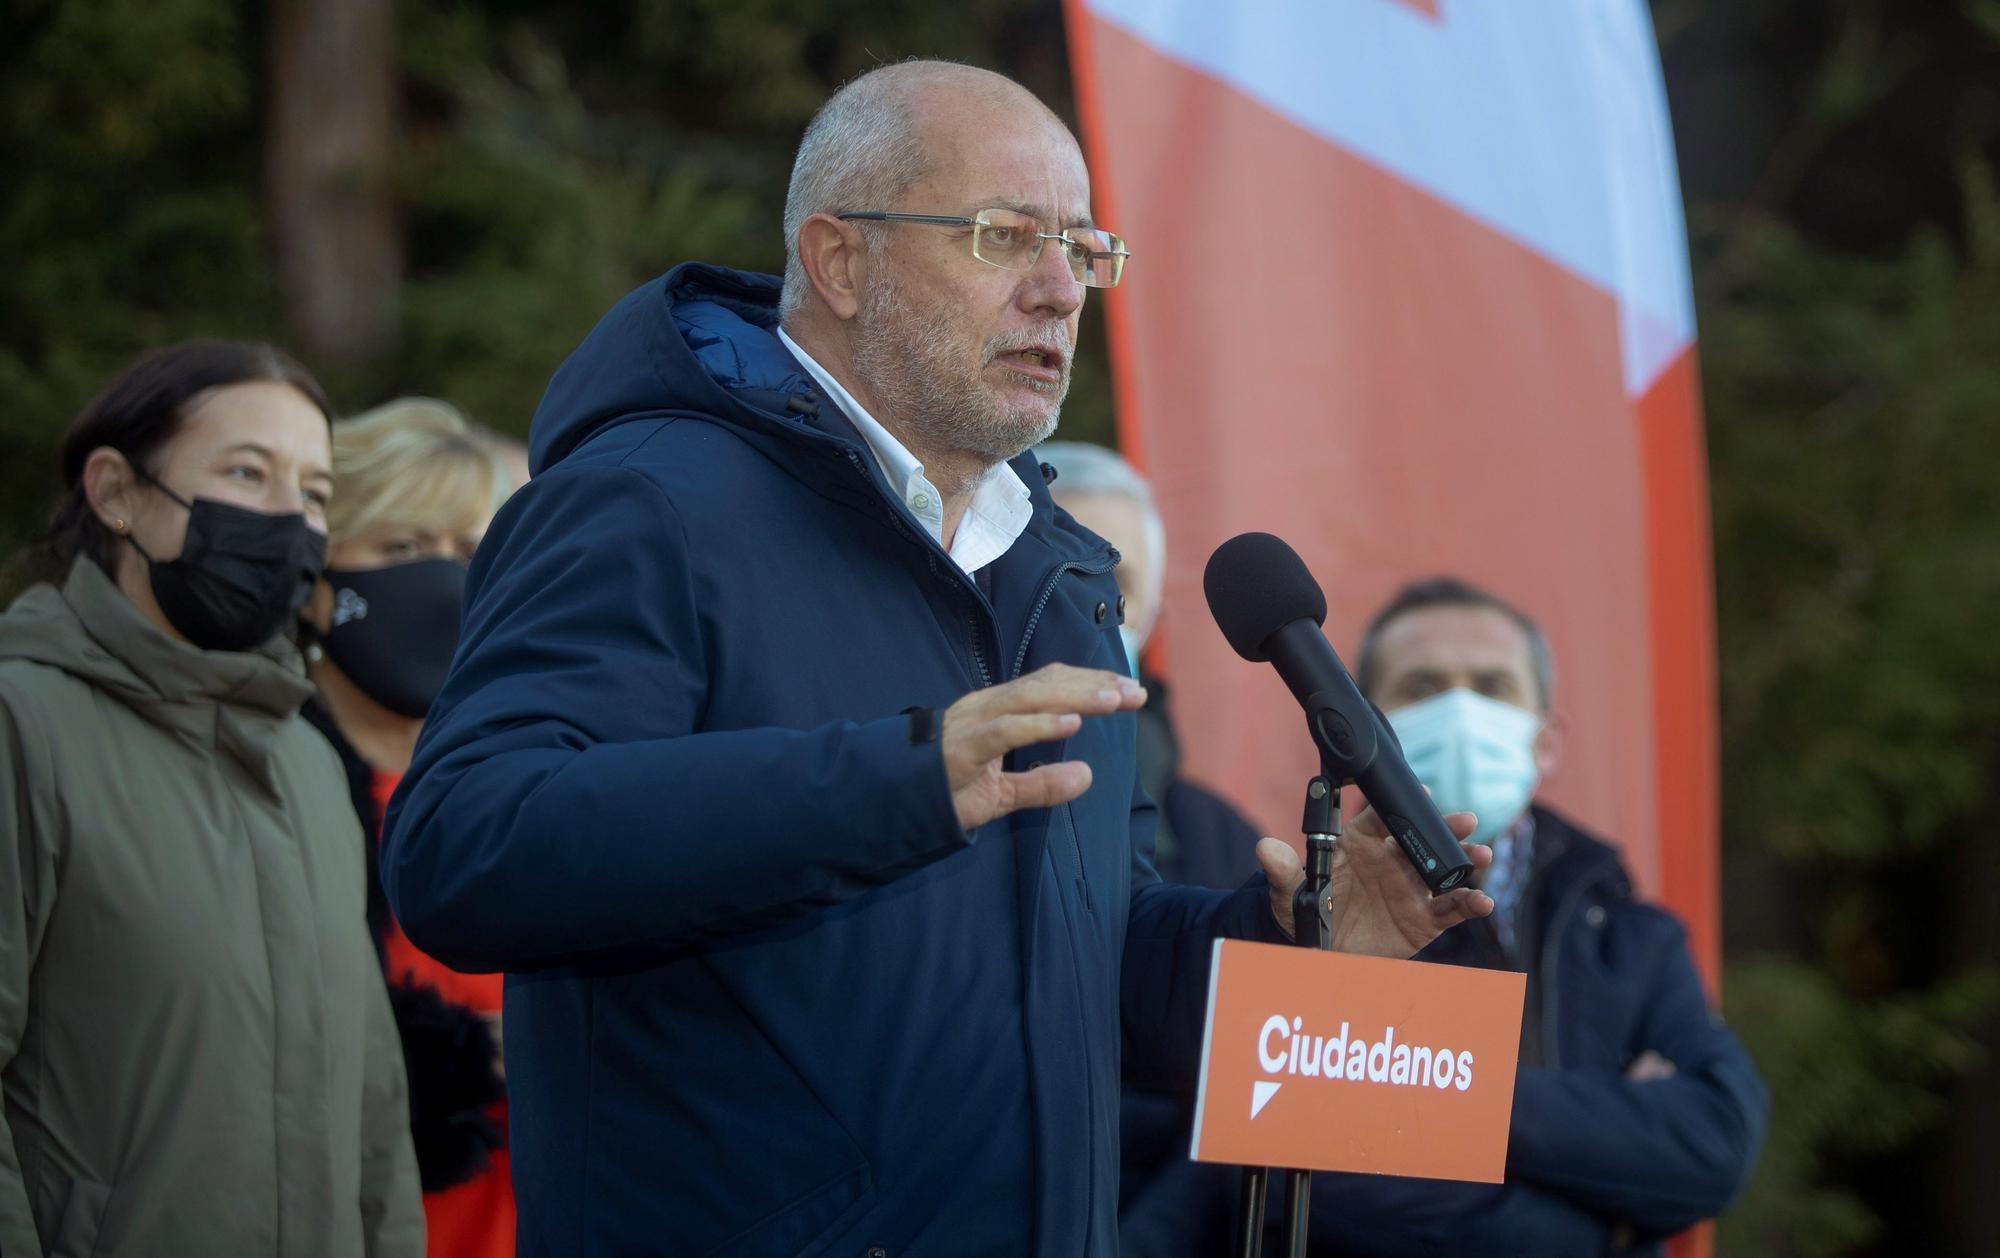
x: 1082, y: 468
x: 863, y: 150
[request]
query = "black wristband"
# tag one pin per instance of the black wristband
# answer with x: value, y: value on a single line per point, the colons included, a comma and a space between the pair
x: 924, y: 725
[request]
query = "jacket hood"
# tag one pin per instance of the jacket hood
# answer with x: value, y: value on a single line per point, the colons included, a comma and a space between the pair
x: 698, y: 340
x: 235, y: 700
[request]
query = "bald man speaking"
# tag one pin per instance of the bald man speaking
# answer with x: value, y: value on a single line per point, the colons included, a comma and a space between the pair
x: 786, y: 765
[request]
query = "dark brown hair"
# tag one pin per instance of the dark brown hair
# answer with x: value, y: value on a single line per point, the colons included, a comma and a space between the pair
x: 1452, y: 592
x: 138, y: 413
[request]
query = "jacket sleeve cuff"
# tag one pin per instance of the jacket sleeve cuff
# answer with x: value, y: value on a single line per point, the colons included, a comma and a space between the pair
x: 1247, y: 914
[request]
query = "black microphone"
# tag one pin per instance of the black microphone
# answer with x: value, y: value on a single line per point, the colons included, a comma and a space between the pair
x: 1267, y: 604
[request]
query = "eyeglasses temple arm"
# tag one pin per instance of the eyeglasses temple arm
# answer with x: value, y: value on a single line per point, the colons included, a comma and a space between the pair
x: 881, y: 216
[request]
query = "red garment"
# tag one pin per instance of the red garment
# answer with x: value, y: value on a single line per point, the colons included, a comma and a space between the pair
x: 474, y: 1219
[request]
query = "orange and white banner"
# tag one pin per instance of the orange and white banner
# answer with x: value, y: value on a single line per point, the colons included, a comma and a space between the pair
x: 1410, y: 290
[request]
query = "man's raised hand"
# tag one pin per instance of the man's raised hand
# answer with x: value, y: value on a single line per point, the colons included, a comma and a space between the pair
x: 1049, y: 703
x: 1381, y: 907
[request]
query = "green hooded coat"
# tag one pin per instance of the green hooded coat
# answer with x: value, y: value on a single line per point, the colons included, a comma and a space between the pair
x: 195, y: 1043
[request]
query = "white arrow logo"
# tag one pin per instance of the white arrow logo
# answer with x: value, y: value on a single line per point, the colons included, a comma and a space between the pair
x: 1261, y: 1093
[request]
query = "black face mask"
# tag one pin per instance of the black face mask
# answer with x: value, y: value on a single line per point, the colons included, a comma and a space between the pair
x: 241, y: 576
x: 394, y: 630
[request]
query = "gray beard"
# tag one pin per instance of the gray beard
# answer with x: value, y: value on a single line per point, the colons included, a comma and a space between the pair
x: 907, y: 363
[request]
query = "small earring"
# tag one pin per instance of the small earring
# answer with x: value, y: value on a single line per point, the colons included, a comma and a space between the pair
x: 118, y: 526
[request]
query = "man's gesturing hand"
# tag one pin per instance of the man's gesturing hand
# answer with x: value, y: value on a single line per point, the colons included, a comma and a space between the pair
x: 1049, y: 703
x: 1381, y: 908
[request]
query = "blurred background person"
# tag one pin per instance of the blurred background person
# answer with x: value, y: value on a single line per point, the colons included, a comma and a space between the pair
x: 1108, y: 496
x: 198, y: 1055
x: 1636, y: 1111
x: 418, y: 486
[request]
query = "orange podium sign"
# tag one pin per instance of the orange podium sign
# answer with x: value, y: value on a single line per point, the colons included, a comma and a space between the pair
x: 1324, y: 1061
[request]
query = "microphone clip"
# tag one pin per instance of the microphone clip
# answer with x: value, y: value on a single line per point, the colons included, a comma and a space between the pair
x: 1312, y: 903
x: 1346, y: 734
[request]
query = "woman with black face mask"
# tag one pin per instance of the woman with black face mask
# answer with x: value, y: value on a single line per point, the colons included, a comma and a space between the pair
x: 418, y: 487
x: 196, y: 1048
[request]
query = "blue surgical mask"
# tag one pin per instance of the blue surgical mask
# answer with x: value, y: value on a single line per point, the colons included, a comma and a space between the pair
x: 1476, y: 754
x: 1132, y: 647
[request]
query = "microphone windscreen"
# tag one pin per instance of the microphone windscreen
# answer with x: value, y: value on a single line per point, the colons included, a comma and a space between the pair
x: 1256, y: 585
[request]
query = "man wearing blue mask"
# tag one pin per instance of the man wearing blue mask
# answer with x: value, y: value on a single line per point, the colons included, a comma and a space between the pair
x: 1465, y: 681
x: 1636, y: 1112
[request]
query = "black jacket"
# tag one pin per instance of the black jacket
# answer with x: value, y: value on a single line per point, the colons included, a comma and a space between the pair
x: 448, y: 1050
x: 1221, y: 850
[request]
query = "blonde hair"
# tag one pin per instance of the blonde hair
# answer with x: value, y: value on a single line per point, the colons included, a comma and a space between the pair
x: 412, y: 463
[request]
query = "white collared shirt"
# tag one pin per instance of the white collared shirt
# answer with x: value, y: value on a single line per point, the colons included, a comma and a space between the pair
x: 997, y: 515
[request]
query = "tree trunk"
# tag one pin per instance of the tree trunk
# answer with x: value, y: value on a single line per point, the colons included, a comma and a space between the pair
x: 333, y: 213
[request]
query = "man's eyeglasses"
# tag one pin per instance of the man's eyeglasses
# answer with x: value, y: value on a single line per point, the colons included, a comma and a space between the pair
x: 1007, y: 239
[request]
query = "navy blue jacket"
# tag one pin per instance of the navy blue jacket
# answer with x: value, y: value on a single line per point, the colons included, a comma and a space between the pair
x: 1596, y: 1164
x: 764, y: 995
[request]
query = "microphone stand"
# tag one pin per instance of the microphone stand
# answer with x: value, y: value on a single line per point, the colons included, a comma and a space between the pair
x: 1346, y: 728
x: 1312, y: 927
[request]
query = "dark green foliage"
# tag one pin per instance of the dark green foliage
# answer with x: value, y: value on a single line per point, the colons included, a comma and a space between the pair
x: 1854, y: 430
x: 552, y: 157
x: 129, y: 208
x: 1851, y: 1080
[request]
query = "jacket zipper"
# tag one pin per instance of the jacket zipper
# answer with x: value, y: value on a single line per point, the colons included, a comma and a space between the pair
x: 978, y: 651
x: 1048, y: 591
x: 1091, y: 567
